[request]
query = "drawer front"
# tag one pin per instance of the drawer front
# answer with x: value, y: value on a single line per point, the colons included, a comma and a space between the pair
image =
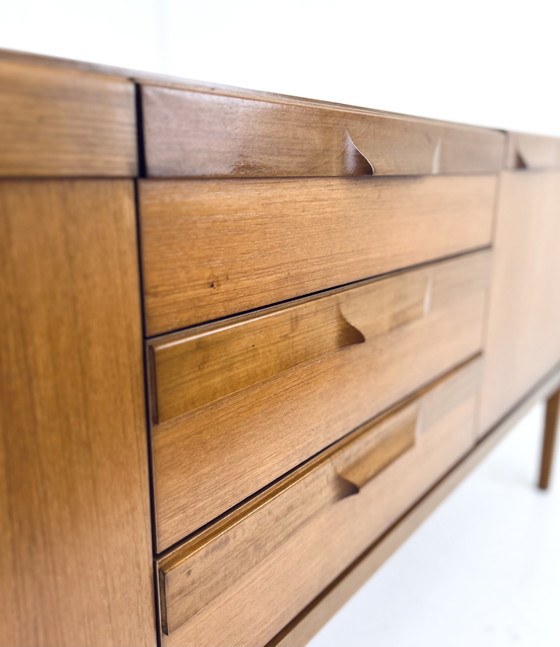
x: 213, y: 248
x: 201, y: 134
x: 236, y: 405
x: 244, y: 578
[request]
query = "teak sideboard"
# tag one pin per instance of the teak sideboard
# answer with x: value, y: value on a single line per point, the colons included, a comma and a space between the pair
x: 249, y: 343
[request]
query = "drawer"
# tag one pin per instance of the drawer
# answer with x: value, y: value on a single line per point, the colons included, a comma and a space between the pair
x: 213, y: 248
x: 237, y: 404
x: 244, y: 578
x: 190, y: 133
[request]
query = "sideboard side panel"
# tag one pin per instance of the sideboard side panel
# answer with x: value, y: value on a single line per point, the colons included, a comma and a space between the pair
x: 74, y: 489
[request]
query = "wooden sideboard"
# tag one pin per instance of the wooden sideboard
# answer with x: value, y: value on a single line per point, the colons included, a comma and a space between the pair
x: 250, y: 343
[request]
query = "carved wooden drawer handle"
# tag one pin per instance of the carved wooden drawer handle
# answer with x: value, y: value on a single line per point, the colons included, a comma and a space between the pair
x: 361, y: 464
x: 202, y: 368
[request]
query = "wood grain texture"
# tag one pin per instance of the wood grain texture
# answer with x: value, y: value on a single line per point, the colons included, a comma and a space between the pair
x: 552, y: 421
x: 214, y: 362
x: 535, y: 152
x: 200, y: 134
x: 75, y: 564
x: 522, y: 339
x: 309, y: 621
x: 210, y: 458
x: 212, y: 248
x: 263, y: 598
x: 64, y: 122
x: 195, y: 575
x: 238, y: 403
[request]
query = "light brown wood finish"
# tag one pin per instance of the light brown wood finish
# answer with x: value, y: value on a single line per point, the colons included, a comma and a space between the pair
x: 552, y: 421
x: 192, y: 577
x: 532, y: 152
x: 203, y: 134
x: 73, y: 496
x: 322, y: 547
x: 307, y: 623
x: 212, y: 457
x: 75, y: 531
x: 522, y: 339
x: 63, y: 122
x: 213, y: 248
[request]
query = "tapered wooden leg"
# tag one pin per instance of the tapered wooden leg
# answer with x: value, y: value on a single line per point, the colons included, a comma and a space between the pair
x: 550, y: 431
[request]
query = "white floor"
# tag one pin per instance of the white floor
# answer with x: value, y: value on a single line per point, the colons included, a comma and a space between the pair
x: 483, y: 570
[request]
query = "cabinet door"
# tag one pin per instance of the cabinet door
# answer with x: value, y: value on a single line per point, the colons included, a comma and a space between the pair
x: 523, y: 334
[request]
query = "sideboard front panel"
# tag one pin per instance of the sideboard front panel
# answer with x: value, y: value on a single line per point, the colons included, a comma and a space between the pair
x: 74, y: 508
x: 62, y: 122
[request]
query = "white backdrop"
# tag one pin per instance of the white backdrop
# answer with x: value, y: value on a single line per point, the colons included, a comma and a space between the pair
x: 481, y: 62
